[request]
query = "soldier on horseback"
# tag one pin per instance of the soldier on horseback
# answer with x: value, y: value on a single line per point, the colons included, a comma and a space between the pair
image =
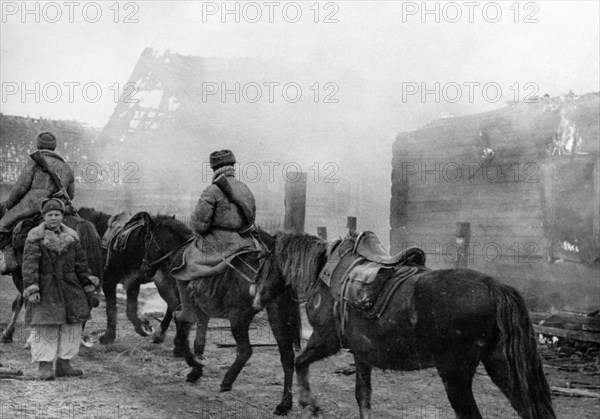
x: 223, y: 221
x: 224, y: 215
x: 34, y: 185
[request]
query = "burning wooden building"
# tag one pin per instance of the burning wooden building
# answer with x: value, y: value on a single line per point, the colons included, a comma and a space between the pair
x: 512, y: 192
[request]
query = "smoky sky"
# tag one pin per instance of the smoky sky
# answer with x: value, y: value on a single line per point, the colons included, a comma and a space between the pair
x: 370, y: 49
x: 367, y: 70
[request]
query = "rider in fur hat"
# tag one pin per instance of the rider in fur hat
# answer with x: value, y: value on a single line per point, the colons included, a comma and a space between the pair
x: 223, y: 220
x: 31, y: 188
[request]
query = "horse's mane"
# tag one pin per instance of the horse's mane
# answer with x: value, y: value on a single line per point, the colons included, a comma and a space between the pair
x: 300, y: 258
x: 98, y: 218
x: 176, y: 226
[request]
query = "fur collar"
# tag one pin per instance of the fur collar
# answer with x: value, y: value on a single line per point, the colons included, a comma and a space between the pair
x: 223, y: 171
x: 51, y: 153
x: 52, y: 241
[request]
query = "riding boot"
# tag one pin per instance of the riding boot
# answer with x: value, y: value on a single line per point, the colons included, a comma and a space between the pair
x: 187, y: 313
x: 45, y: 371
x: 64, y: 369
x: 10, y: 261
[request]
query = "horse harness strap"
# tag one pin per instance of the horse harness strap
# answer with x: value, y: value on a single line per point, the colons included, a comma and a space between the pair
x: 256, y: 272
x: 357, y: 281
x: 167, y: 255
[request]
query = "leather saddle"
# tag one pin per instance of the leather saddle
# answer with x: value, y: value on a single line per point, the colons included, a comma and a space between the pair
x: 369, y: 246
x: 115, y: 225
x: 358, y: 268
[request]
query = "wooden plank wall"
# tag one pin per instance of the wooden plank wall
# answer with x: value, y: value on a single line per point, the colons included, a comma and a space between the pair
x: 442, y: 175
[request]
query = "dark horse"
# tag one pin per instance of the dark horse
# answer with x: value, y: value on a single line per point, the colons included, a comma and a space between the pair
x: 228, y: 297
x: 124, y: 266
x: 90, y: 242
x: 458, y: 317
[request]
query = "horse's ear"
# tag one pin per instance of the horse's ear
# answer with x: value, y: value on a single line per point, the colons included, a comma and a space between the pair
x: 173, y: 217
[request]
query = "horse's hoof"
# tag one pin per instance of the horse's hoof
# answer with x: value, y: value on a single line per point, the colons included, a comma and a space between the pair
x: 311, y: 412
x: 6, y: 339
x: 106, y: 340
x: 148, y: 329
x: 157, y: 338
x: 283, y: 409
x: 142, y: 332
x: 225, y: 387
x: 192, y: 377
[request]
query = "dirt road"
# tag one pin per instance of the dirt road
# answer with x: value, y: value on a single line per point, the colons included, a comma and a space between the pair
x: 135, y: 378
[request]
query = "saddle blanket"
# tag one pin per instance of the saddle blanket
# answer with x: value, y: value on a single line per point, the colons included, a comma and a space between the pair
x: 190, y: 263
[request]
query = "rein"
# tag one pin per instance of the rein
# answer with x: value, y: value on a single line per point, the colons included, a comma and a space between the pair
x: 158, y: 261
x: 147, y: 265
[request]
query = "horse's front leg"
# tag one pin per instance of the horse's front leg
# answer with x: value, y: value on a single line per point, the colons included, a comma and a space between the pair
x: 285, y: 324
x: 320, y: 345
x: 362, y: 390
x: 110, y: 294
x: 142, y: 328
x: 240, y: 323
x: 201, y: 329
x: 169, y: 295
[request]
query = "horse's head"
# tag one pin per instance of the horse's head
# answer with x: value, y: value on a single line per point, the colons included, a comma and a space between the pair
x: 269, y: 283
x: 295, y: 262
x: 164, y: 237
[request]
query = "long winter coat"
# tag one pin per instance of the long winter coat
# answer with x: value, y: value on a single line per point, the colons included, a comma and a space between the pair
x: 216, y: 220
x: 33, y: 186
x: 56, y: 266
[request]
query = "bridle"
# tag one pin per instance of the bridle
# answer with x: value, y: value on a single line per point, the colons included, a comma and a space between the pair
x: 148, y: 266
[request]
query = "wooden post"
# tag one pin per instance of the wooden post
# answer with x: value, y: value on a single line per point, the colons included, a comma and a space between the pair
x: 596, y: 198
x: 463, y: 237
x: 322, y: 232
x: 351, y: 224
x: 295, y: 202
x: 549, y: 208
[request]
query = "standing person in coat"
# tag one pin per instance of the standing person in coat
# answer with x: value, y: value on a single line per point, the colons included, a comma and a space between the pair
x: 60, y: 291
x: 223, y: 221
x: 31, y: 188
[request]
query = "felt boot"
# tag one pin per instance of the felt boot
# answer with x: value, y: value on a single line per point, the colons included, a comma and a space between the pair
x: 64, y: 369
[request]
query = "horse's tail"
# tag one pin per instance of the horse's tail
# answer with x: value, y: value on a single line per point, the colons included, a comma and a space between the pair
x: 529, y: 390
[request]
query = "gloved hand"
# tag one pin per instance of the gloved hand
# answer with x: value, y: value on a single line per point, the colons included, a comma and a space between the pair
x: 34, y: 298
x: 92, y: 299
x: 95, y: 280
